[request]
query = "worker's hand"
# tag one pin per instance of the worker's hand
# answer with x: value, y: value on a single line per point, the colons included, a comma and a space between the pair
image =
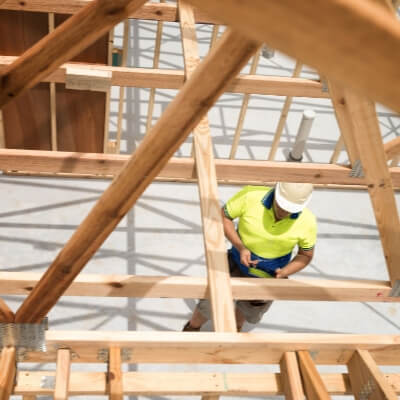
x: 245, y: 258
x: 279, y: 274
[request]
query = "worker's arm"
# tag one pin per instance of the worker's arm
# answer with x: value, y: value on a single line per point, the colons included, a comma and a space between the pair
x: 302, y: 259
x: 234, y: 238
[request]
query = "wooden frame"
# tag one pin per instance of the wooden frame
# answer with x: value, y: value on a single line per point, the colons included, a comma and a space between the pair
x: 297, y: 355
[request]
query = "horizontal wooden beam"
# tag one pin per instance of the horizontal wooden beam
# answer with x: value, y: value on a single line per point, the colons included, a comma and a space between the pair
x: 236, y: 171
x: 217, y: 347
x: 328, y: 35
x: 174, y: 79
x: 151, y: 11
x: 183, y: 383
x: 392, y: 148
x: 22, y: 283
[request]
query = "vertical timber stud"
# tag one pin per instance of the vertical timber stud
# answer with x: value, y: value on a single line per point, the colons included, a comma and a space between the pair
x: 367, y: 381
x: 53, y: 106
x: 368, y: 139
x: 312, y: 381
x: 62, y: 374
x: 115, y: 374
x: 192, y: 102
x: 66, y: 41
x: 213, y: 232
x: 7, y: 372
x: 290, y: 377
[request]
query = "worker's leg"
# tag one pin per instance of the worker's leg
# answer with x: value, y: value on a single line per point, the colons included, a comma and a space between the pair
x: 201, y: 315
x: 253, y: 310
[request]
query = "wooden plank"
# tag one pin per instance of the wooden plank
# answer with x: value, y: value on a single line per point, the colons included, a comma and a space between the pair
x: 53, y: 112
x: 368, y: 139
x: 62, y: 374
x: 7, y: 372
x: 22, y: 283
x: 350, y: 23
x: 223, y: 312
x: 6, y: 314
x: 313, y: 385
x: 344, y: 120
x: 171, y: 79
x: 115, y: 373
x: 68, y: 40
x: 367, y: 381
x: 282, y: 119
x: 392, y: 148
x: 243, y: 108
x: 2, y: 133
x: 338, y: 148
x: 290, y: 377
x: 183, y: 383
x: 151, y: 11
x: 181, y: 116
x: 216, y: 347
x: 228, y: 171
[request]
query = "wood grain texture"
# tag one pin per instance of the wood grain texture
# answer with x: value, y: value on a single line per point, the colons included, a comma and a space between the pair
x: 392, y: 148
x: 6, y: 314
x: 115, y: 374
x: 65, y: 42
x: 180, y: 117
x: 223, y: 313
x: 228, y: 171
x: 290, y: 377
x: 17, y: 283
x: 313, y: 385
x: 344, y: 25
x: 174, y: 79
x: 367, y: 381
x: 368, y: 139
x: 63, y: 372
x: 7, y: 372
x: 152, y: 11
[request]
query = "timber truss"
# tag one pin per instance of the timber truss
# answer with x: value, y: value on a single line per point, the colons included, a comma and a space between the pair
x: 365, y: 74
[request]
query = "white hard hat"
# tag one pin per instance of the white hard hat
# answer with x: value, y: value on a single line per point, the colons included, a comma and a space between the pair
x: 293, y: 197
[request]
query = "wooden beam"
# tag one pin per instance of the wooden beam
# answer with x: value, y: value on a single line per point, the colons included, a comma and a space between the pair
x: 228, y: 171
x: 371, y: 69
x: 6, y: 314
x: 171, y: 79
x: 181, y: 116
x: 392, y: 148
x: 368, y: 139
x: 216, y: 347
x: 59, y: 46
x: 338, y: 148
x: 284, y: 114
x: 183, y: 383
x: 344, y: 121
x: 150, y: 11
x: 62, y: 374
x: 367, y: 381
x: 313, y: 385
x: 115, y: 374
x: 7, y: 372
x: 53, y: 105
x: 22, y: 283
x: 174, y: 79
x: 223, y: 313
x: 290, y: 377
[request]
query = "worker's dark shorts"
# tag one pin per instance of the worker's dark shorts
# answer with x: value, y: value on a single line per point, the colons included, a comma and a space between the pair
x: 253, y: 310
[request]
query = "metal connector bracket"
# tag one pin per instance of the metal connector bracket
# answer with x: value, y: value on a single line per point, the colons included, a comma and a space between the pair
x: 24, y: 337
x: 395, y: 292
x: 357, y: 170
x: 367, y: 389
x: 48, y: 382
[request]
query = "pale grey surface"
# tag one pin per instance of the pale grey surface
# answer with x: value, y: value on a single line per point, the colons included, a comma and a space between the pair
x: 162, y: 235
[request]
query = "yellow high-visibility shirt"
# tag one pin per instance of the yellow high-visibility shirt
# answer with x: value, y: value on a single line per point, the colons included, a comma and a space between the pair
x: 260, y: 232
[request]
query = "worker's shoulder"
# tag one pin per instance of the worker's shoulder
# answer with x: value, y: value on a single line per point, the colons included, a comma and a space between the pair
x: 256, y: 190
x: 308, y: 217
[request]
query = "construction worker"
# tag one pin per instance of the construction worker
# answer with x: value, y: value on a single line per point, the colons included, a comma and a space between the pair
x: 272, y: 221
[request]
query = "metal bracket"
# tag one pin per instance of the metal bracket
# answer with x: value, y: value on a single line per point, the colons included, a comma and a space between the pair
x: 267, y: 52
x: 103, y: 355
x: 314, y: 354
x: 357, y: 170
x: 367, y: 389
x: 395, y: 292
x: 48, y: 382
x: 324, y: 83
x: 24, y: 337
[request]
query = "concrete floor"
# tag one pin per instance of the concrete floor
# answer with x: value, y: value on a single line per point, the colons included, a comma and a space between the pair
x: 162, y: 234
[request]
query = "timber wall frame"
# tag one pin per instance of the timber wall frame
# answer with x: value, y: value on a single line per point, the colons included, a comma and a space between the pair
x: 296, y: 354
